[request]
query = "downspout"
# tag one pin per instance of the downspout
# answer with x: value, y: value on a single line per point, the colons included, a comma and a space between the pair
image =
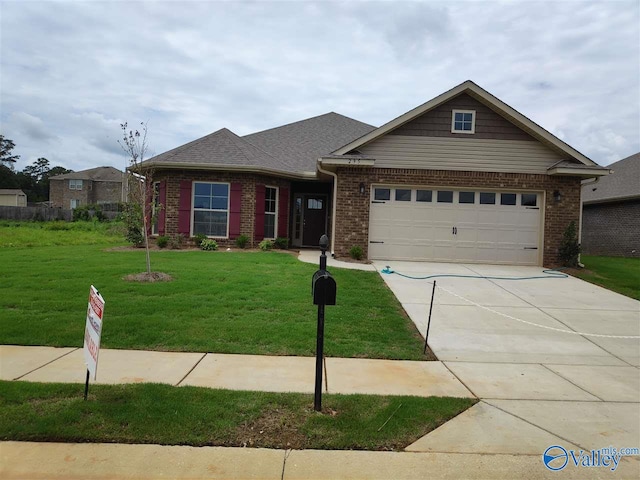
x: 334, y: 206
x: 582, y: 184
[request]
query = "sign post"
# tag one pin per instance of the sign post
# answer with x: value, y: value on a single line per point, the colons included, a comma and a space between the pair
x: 92, y: 333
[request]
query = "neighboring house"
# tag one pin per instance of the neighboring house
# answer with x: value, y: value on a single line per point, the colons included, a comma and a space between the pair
x: 461, y: 178
x: 611, y: 211
x: 11, y: 197
x: 98, y: 185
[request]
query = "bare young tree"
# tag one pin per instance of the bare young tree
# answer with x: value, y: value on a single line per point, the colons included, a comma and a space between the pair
x: 134, y: 144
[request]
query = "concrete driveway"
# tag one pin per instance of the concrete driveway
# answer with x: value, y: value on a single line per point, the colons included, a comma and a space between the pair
x: 539, y: 386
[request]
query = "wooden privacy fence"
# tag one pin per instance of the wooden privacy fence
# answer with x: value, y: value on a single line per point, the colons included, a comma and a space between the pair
x: 43, y: 214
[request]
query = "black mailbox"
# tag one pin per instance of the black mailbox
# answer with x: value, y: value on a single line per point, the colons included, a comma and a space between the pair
x: 323, y: 288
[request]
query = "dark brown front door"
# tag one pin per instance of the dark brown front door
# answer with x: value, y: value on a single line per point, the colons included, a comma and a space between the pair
x: 315, y: 219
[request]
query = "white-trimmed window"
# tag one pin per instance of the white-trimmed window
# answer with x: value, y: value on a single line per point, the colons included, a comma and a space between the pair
x: 211, y: 209
x: 75, y: 184
x: 463, y: 121
x: 74, y: 203
x: 270, y: 212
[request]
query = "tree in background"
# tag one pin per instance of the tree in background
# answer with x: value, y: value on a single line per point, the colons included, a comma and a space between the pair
x: 6, y: 159
x: 138, y: 211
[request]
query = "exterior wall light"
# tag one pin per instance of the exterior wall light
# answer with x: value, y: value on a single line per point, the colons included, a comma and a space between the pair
x: 362, y: 188
x: 557, y: 195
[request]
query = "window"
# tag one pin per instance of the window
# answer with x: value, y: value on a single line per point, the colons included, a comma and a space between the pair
x: 507, y: 199
x: 423, y: 195
x: 211, y: 209
x: 382, y: 194
x: 74, y: 203
x: 467, y: 197
x: 487, y: 198
x: 314, y: 204
x: 270, y: 211
x: 75, y: 185
x: 529, y: 200
x: 463, y: 121
x: 403, y: 195
x: 445, y: 196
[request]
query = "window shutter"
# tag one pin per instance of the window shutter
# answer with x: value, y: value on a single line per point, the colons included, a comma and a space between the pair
x: 235, y: 202
x: 283, y: 213
x: 162, y: 199
x: 184, y: 208
x: 148, y: 200
x: 259, y: 220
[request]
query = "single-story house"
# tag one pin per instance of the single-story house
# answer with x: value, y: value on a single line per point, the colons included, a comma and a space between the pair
x: 12, y: 197
x: 611, y: 211
x: 461, y: 178
x: 100, y: 185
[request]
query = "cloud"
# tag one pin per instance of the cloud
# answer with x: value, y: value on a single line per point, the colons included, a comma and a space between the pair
x: 73, y: 71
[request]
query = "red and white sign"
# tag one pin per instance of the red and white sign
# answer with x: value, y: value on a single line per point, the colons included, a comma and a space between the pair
x: 93, y: 330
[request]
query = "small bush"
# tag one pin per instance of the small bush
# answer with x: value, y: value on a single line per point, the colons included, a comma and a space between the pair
x: 162, y: 241
x: 241, y: 241
x: 281, y: 243
x: 266, y: 244
x: 209, y: 244
x: 198, y: 238
x: 57, y: 226
x: 88, y: 212
x: 569, y: 247
x: 355, y: 252
x: 176, y: 243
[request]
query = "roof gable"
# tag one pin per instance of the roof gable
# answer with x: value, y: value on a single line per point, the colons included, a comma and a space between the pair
x: 499, y: 107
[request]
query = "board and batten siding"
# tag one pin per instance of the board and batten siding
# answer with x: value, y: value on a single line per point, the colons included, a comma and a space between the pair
x: 442, y: 153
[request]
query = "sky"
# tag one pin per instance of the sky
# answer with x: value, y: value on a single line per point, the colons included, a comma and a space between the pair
x: 72, y: 71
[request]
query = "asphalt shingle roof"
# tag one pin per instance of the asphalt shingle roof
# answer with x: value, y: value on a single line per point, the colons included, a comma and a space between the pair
x: 301, y: 143
x: 101, y: 174
x: 623, y: 182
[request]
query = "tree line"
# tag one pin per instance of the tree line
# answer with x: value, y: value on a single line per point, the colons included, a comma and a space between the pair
x: 33, y: 180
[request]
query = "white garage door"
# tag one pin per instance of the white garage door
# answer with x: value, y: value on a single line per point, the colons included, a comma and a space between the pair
x: 446, y: 225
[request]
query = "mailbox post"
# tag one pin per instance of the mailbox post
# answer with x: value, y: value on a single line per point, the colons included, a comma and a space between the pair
x: 323, y: 291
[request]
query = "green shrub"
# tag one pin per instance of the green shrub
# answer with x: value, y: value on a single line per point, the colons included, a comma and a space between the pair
x: 266, y: 244
x: 132, y: 218
x: 88, y: 212
x: 282, y: 243
x: 209, y: 244
x: 57, y: 226
x: 241, y: 241
x: 355, y: 252
x: 162, y: 241
x: 176, y: 243
x: 569, y: 247
x: 198, y: 238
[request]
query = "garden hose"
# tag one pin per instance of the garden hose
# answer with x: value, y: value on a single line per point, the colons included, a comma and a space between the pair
x: 549, y: 273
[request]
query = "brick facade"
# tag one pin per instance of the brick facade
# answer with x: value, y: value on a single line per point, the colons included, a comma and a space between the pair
x: 248, y: 204
x: 93, y: 191
x: 611, y: 229
x: 352, y: 226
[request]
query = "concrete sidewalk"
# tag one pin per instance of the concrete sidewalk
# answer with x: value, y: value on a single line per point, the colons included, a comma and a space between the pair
x: 233, y: 372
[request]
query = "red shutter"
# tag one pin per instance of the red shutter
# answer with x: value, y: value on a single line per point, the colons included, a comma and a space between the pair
x: 148, y: 200
x: 259, y: 220
x: 162, y: 199
x: 283, y: 213
x: 184, y: 208
x: 235, y: 201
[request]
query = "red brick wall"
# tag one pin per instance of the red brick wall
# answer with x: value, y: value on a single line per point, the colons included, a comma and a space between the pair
x: 352, y: 226
x: 247, y: 208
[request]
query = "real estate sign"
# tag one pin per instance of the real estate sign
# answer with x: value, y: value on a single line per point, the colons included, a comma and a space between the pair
x: 92, y: 331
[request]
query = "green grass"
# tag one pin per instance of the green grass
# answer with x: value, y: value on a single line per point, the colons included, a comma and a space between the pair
x: 161, y: 414
x: 619, y: 274
x: 224, y: 302
x: 39, y: 234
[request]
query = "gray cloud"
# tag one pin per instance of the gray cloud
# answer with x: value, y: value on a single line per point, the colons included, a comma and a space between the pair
x: 73, y: 71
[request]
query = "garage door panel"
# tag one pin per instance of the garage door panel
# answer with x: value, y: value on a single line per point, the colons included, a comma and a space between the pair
x: 455, y: 232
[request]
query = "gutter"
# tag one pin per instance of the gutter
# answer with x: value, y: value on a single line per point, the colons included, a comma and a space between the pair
x: 334, y: 206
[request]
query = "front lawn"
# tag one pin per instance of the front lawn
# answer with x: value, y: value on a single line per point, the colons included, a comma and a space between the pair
x: 619, y: 274
x: 161, y: 414
x: 224, y: 302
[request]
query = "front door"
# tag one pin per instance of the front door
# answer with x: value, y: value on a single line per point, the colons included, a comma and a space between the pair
x: 314, y: 223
